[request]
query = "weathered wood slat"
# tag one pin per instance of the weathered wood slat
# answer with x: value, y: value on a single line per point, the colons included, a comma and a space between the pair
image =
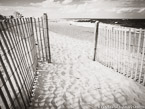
x: 96, y: 39
x: 43, y: 39
x: 141, y: 72
x: 47, y: 42
x: 125, y: 51
x: 36, y: 31
x: 39, y: 25
x: 138, y: 53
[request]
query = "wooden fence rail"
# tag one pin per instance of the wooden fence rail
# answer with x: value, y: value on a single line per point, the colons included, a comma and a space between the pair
x: 20, y: 51
x: 122, y: 49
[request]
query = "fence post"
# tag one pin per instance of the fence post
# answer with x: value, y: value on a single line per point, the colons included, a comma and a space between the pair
x: 34, y: 52
x: 96, y: 38
x: 46, y: 32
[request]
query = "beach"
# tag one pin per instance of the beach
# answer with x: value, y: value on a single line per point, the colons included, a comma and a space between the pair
x: 71, y: 30
x: 72, y: 54
x: 74, y: 81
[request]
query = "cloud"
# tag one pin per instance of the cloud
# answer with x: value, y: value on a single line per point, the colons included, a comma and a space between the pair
x: 85, y: 8
x: 130, y: 10
x: 67, y: 1
x: 46, y: 4
x: 26, y: 11
x: 142, y: 10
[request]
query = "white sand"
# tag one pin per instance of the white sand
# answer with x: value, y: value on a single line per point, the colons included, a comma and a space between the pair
x: 74, y: 81
x: 83, y: 24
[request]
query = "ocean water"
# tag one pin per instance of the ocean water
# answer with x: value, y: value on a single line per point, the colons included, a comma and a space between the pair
x: 135, y: 23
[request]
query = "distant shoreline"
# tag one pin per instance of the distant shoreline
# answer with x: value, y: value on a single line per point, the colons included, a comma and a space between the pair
x: 135, y: 23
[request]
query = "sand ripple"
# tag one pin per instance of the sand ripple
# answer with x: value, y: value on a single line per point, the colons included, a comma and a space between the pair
x: 74, y: 81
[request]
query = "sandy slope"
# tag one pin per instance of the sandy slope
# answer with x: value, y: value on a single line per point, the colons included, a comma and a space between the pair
x: 74, y: 81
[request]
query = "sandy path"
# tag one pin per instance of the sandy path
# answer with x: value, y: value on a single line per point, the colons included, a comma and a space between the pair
x: 77, y: 32
x: 74, y: 81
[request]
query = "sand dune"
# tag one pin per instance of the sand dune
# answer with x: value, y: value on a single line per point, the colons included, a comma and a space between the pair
x: 74, y: 81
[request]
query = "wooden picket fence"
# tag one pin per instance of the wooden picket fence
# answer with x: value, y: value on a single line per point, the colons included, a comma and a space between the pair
x: 122, y: 49
x: 23, y: 42
x: 41, y: 34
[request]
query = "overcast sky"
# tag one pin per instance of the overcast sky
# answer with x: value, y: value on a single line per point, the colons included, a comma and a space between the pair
x: 76, y: 8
